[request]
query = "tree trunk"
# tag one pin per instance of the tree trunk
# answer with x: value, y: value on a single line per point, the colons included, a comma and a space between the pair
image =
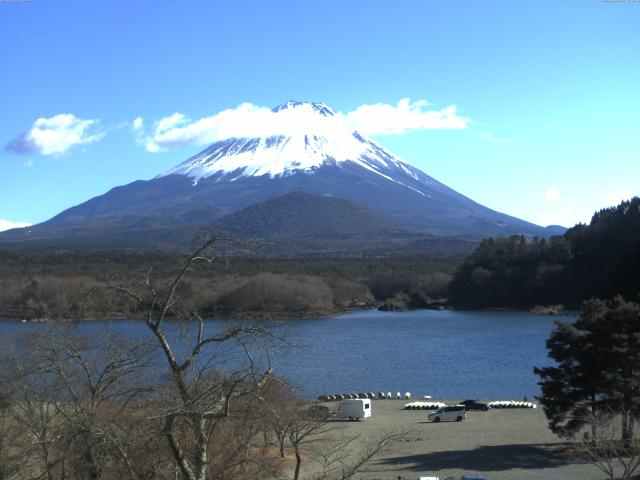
x: 296, y: 474
x: 282, y: 437
x: 48, y: 464
x: 92, y: 470
x: 625, y: 428
x: 202, y: 461
x: 594, y: 426
x: 176, y: 450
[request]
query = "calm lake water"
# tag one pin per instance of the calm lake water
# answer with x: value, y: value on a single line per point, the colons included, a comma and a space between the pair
x: 446, y: 354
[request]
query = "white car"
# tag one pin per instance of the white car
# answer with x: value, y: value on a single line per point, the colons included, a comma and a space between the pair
x: 450, y: 413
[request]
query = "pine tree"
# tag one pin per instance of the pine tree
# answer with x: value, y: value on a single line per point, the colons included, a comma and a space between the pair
x: 597, y: 367
x: 616, y: 326
x: 571, y: 389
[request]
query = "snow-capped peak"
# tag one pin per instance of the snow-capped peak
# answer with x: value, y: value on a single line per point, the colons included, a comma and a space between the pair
x: 320, y: 108
x: 307, y: 136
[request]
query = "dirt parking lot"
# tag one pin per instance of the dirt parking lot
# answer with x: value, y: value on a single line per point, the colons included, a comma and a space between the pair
x: 502, y: 444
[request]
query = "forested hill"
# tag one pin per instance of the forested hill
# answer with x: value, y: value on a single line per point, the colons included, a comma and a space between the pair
x: 600, y: 259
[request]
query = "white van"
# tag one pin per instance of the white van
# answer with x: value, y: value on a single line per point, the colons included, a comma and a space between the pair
x: 354, y: 409
x: 450, y: 413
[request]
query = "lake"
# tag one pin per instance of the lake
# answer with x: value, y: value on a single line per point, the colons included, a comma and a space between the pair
x: 445, y: 354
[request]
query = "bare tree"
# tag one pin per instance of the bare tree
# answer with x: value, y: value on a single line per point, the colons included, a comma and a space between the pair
x: 341, y: 459
x: 610, y: 449
x: 201, y: 387
x: 73, y: 395
x: 99, y: 379
x: 278, y: 403
x: 237, y: 449
x: 32, y: 412
x: 13, y: 439
x: 303, y: 429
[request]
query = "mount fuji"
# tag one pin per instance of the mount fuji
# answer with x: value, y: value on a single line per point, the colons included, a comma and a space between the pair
x: 299, y: 179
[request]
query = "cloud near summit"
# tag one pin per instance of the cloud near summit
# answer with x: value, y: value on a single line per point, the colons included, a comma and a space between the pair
x: 248, y: 120
x: 385, y: 119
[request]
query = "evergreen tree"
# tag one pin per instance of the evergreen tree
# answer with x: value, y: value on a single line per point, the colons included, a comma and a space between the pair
x: 596, y: 260
x: 616, y: 326
x: 571, y: 389
x: 597, y: 367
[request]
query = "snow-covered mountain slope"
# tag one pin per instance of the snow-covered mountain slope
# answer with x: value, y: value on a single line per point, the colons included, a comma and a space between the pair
x: 309, y: 149
x: 316, y: 138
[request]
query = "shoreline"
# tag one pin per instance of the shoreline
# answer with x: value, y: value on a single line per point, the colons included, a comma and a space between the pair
x: 238, y: 317
x: 281, y: 316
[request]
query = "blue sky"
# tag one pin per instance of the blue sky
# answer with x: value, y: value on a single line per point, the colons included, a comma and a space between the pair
x: 548, y: 91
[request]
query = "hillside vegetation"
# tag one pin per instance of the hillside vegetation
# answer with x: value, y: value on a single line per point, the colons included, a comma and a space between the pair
x: 54, y: 285
x: 601, y: 259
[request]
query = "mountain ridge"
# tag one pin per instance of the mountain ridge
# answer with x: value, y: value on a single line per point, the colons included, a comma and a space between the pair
x: 236, y: 173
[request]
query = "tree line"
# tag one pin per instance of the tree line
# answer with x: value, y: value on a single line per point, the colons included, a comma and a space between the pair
x: 596, y: 260
x: 53, y: 285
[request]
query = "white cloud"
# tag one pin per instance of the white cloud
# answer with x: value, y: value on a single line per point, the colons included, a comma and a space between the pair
x: 8, y: 225
x: 137, y: 127
x: 616, y: 196
x: 56, y: 135
x: 138, y: 124
x: 552, y: 194
x: 248, y: 120
x: 385, y: 119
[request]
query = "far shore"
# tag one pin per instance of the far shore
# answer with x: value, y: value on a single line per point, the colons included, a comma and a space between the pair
x: 253, y: 316
x: 245, y: 316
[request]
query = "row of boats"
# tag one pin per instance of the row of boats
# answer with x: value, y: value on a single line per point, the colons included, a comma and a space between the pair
x: 494, y: 404
x: 371, y: 395
x: 419, y: 405
x: 511, y: 404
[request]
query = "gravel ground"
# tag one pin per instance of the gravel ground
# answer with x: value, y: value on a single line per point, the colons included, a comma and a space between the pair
x: 500, y: 444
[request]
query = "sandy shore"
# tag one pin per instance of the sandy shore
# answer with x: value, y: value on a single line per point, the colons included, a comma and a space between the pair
x: 502, y: 444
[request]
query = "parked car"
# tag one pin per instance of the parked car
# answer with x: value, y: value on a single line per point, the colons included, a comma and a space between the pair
x: 475, y: 405
x: 473, y: 477
x: 450, y: 413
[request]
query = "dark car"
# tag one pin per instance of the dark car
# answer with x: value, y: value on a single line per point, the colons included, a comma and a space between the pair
x: 475, y: 405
